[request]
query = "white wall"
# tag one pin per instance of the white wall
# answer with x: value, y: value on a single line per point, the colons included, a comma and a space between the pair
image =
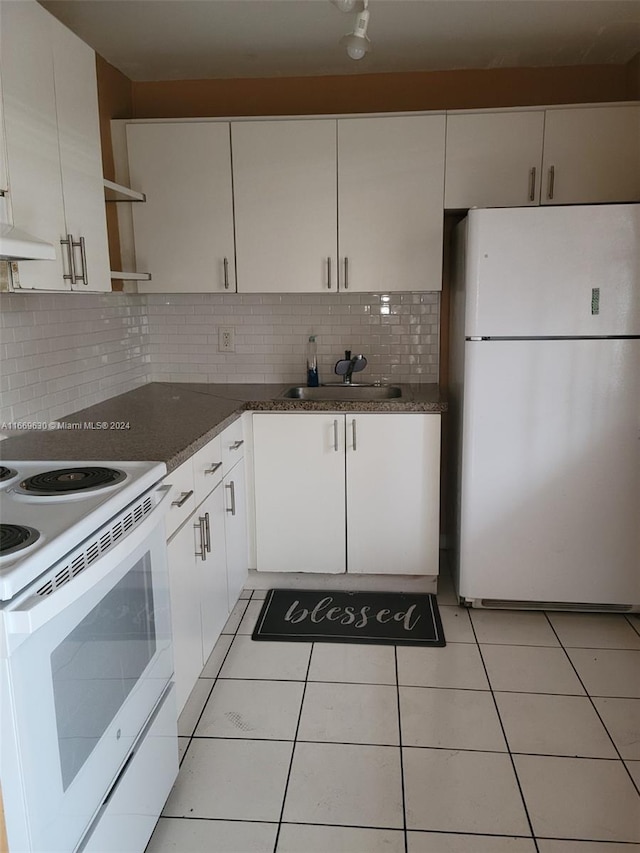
x: 62, y: 352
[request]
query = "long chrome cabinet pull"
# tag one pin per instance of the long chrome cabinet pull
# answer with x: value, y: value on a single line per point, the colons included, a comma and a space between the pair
x: 552, y: 180
x: 184, y: 497
x: 202, y: 553
x: 335, y: 435
x: 83, y: 277
x: 329, y: 273
x: 207, y: 530
x: 225, y: 263
x: 346, y: 273
x: 72, y: 268
x: 532, y: 183
x: 236, y: 444
x: 213, y: 469
x: 353, y: 433
x: 232, y: 488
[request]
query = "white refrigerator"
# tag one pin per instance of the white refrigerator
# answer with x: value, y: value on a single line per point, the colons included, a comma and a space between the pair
x: 545, y: 367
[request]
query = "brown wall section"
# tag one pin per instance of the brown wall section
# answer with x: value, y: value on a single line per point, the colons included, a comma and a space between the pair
x: 432, y: 90
x: 633, y: 78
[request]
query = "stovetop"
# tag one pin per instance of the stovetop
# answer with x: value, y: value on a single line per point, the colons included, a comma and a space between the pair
x: 48, y: 508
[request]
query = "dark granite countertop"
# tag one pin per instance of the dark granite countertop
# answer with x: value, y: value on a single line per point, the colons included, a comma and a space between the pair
x: 169, y: 422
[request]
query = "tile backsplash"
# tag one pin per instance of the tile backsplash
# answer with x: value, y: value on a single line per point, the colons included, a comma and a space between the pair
x: 398, y: 333
x: 62, y: 352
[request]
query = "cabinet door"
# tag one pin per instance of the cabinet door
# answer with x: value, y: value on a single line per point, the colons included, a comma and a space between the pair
x: 493, y: 159
x: 33, y: 156
x: 299, y: 487
x: 393, y: 488
x: 185, y: 610
x: 184, y: 231
x: 390, y: 211
x: 591, y: 154
x: 235, y: 528
x: 284, y: 180
x: 74, y: 65
x: 212, y: 571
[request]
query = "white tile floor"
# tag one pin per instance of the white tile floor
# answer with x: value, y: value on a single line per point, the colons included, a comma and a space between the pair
x: 521, y: 735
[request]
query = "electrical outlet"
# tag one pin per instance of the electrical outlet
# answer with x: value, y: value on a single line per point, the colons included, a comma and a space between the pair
x: 226, y: 339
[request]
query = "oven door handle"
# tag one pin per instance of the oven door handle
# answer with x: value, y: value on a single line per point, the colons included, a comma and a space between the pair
x: 35, y: 611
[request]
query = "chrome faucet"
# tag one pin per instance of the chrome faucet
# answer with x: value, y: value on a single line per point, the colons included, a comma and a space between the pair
x: 347, y: 366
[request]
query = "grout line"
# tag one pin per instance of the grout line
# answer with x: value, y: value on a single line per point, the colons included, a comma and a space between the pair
x: 404, y: 799
x: 293, y: 751
x: 593, y: 705
x: 506, y: 740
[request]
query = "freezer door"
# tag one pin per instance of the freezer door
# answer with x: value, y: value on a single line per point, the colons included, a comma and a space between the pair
x: 566, y: 271
x: 551, y: 471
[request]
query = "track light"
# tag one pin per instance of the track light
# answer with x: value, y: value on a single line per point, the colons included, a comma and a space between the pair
x: 357, y: 42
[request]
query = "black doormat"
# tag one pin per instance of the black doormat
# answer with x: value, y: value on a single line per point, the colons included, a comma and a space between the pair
x: 321, y: 616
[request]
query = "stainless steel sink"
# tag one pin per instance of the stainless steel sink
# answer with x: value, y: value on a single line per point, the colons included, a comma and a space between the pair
x: 343, y: 392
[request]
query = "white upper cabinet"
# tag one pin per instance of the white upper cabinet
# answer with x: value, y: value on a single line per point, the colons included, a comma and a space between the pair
x: 284, y: 175
x: 591, y: 155
x: 574, y: 155
x: 53, y: 148
x: 493, y: 159
x: 390, y: 202
x: 31, y: 127
x: 184, y: 231
x: 74, y: 66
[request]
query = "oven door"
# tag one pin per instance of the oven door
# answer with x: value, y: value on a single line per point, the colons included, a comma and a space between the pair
x: 86, y: 666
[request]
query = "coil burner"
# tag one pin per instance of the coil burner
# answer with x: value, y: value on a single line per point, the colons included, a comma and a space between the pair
x: 15, y: 537
x: 71, y: 480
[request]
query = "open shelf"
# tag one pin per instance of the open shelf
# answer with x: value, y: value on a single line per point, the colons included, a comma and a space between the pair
x: 116, y: 275
x: 125, y: 193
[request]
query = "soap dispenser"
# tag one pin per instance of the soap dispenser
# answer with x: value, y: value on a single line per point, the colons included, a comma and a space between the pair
x: 312, y: 362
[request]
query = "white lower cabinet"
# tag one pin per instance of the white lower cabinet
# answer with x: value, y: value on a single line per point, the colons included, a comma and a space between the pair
x: 235, y: 531
x: 207, y: 554
x: 354, y: 492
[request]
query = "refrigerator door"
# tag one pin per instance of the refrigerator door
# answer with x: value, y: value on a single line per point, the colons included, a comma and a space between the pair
x: 551, y: 472
x: 553, y: 271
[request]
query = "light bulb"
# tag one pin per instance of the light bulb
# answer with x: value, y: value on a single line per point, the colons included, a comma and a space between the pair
x: 344, y: 5
x: 357, y: 43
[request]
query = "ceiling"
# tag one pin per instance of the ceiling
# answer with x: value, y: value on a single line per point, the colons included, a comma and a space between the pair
x: 198, y: 39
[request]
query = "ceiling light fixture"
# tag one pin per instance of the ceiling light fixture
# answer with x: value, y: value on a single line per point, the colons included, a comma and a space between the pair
x: 357, y: 43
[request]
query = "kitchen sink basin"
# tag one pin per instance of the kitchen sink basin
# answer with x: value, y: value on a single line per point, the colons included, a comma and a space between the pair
x: 343, y: 392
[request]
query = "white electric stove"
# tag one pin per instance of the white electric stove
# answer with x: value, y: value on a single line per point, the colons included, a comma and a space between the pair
x: 87, y: 705
x: 48, y: 508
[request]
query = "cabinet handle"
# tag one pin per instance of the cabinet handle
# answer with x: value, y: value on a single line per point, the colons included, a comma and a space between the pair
x: 225, y: 264
x: 232, y: 488
x: 353, y: 433
x: 552, y: 180
x: 207, y: 530
x: 329, y: 273
x: 213, y: 469
x: 184, y: 497
x: 72, y: 269
x: 83, y: 257
x: 532, y: 183
x: 346, y: 273
x: 202, y: 553
x: 236, y: 444
x: 335, y: 435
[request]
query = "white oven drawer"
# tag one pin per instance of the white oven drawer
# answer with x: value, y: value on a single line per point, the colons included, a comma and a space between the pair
x: 133, y: 805
x: 182, y: 501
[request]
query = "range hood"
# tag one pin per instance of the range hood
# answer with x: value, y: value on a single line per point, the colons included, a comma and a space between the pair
x: 17, y: 245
